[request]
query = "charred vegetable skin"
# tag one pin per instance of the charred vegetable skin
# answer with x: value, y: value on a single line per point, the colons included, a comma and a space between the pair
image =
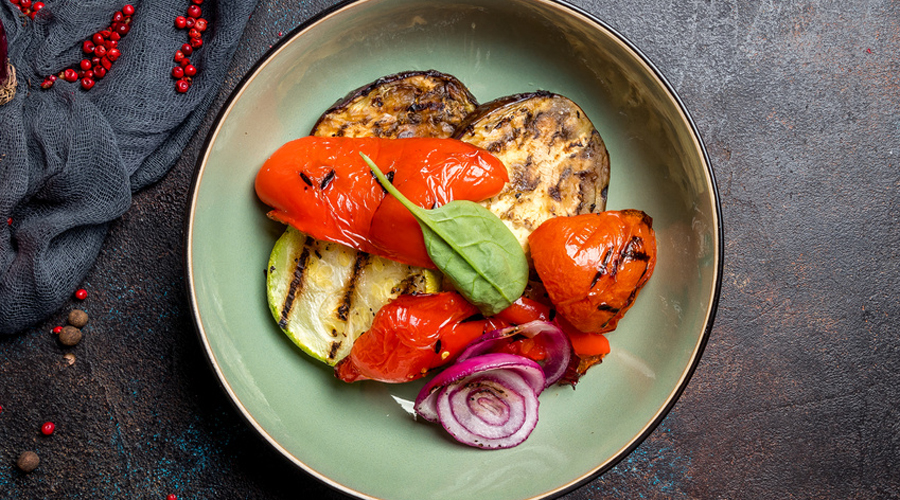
x: 408, y: 104
x: 593, y: 266
x: 557, y: 163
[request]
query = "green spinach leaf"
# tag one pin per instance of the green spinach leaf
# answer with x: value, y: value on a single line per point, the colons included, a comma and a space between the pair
x: 472, y: 247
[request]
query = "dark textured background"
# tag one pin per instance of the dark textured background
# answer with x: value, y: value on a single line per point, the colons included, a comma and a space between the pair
x: 796, y: 395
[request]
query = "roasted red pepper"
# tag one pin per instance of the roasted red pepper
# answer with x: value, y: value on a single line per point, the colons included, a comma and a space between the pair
x: 322, y: 187
x: 594, y: 265
x: 411, y: 335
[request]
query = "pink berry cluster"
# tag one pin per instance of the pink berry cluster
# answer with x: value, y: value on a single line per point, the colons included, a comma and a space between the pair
x: 28, y: 7
x: 184, y: 71
x: 101, y: 51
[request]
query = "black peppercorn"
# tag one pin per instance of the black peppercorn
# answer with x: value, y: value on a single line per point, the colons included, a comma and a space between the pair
x: 70, y: 336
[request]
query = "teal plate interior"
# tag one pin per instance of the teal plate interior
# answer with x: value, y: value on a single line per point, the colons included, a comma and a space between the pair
x: 362, y: 438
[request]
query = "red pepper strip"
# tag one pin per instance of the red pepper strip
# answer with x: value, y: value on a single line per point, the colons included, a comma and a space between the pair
x: 409, y: 336
x: 322, y: 187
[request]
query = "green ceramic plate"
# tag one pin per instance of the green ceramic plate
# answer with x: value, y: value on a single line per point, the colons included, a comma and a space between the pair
x: 361, y: 438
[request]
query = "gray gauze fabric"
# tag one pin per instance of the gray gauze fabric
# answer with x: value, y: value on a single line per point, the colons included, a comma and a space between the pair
x: 70, y: 159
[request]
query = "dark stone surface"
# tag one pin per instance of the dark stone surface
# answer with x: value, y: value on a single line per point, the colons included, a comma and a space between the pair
x: 796, y: 395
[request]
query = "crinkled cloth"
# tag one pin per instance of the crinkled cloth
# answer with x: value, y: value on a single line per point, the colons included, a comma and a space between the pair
x: 70, y: 159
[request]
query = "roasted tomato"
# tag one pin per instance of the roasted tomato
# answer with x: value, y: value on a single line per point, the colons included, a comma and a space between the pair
x: 410, y: 336
x: 594, y: 265
x: 322, y: 187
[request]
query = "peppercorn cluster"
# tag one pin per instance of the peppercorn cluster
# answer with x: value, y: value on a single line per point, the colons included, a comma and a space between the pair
x: 101, y: 51
x: 196, y: 25
x: 28, y: 7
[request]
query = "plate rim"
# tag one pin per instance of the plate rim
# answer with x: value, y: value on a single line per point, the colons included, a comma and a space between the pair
x: 600, y: 469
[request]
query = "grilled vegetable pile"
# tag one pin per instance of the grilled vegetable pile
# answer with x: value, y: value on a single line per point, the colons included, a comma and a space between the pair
x: 429, y: 233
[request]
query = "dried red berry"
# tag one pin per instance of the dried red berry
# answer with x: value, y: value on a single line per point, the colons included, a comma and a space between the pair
x: 97, y: 39
x: 118, y: 17
x: 46, y: 84
x: 190, y: 70
x: 179, y: 56
x: 48, y: 428
x: 201, y: 25
x: 178, y: 72
x: 87, y: 47
x: 128, y: 10
x: 182, y: 85
x: 180, y: 22
x: 106, y: 63
x: 113, y: 54
x: 123, y: 29
x: 189, y: 22
x: 24, y: 4
x: 70, y: 75
x: 99, y: 72
x: 194, y: 11
x: 81, y: 294
x: 100, y: 50
x: 36, y: 7
x: 87, y: 83
x: 186, y: 49
x: 171, y: 496
x: 196, y: 43
x: 57, y: 330
x: 184, y: 62
x: 85, y: 64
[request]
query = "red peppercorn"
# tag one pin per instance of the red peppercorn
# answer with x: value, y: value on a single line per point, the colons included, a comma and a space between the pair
x: 182, y: 85
x: 184, y: 62
x: 201, y: 25
x: 115, y: 36
x: 97, y: 38
x: 48, y: 428
x: 85, y: 64
x: 118, y: 17
x: 110, y: 44
x: 87, y: 47
x: 99, y: 72
x: 194, y: 33
x: 70, y: 75
x: 113, y: 54
x: 198, y: 2
x: 128, y: 10
x: 15, y: 2
x: 179, y: 56
x: 180, y: 22
x: 100, y: 50
x: 196, y: 43
x: 194, y: 11
x: 106, y: 33
x: 189, y: 22
x: 186, y: 49
x: 123, y: 29
x: 87, y: 83
x: 86, y: 74
x: 46, y: 84
x: 171, y: 496
x: 106, y: 63
x: 178, y: 72
x: 190, y: 70
x: 57, y: 330
x: 24, y: 4
x: 37, y: 6
x: 81, y: 294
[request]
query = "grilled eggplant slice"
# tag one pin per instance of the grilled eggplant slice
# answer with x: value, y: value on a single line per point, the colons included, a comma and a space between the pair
x: 408, y: 104
x: 324, y: 295
x: 558, y: 164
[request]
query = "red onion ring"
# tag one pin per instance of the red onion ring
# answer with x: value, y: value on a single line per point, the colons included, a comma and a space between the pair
x: 488, y: 401
x: 559, y: 347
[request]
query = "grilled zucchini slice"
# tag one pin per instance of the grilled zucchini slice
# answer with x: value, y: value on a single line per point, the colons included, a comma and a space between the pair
x: 557, y: 162
x: 324, y: 295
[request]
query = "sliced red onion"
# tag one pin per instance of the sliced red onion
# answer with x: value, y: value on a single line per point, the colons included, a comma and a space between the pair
x: 559, y: 347
x: 488, y: 401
